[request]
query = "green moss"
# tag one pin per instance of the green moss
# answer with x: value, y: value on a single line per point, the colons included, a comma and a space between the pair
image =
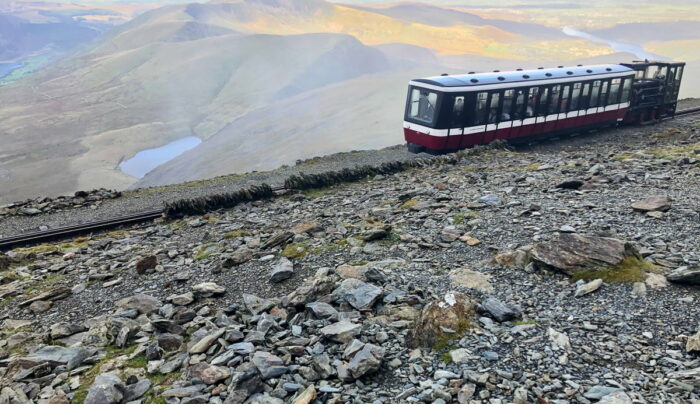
x: 623, y: 157
x: 531, y: 167
x: 631, y: 269
x: 44, y: 283
x: 668, y: 133
x: 408, y: 204
x: 445, y: 342
x: 236, y: 234
x: 459, y: 218
x: 295, y: 250
x: 389, y: 240
x: 359, y: 263
x: 202, y: 255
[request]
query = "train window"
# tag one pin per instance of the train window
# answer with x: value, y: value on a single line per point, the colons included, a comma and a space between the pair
x: 493, y: 107
x: 564, y: 99
x: 519, y: 104
x: 507, y: 105
x: 423, y: 105
x: 639, y: 74
x: 679, y: 73
x: 544, y: 99
x: 595, y: 92
x: 532, y: 102
x: 603, y: 101
x: 626, y: 87
x: 585, y: 96
x: 575, y: 95
x: 614, y: 96
x: 480, y: 108
x: 553, y: 106
x: 458, y: 111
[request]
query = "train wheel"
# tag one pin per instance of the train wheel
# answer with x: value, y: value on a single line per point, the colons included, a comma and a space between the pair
x: 414, y: 148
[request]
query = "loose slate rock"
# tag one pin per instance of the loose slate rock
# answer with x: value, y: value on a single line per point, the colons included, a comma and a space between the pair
x: 146, y: 263
x: 342, y: 331
x: 282, y: 271
x: 655, y: 203
x: 255, y: 304
x: 358, y: 294
x: 588, y: 287
x: 208, y: 289
x: 498, y: 310
x: 686, y: 275
x: 571, y: 252
x: 367, y: 360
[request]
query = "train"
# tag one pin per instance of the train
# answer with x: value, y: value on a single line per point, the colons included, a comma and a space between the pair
x: 451, y: 112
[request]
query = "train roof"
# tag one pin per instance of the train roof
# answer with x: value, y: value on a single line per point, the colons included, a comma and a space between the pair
x: 520, y: 76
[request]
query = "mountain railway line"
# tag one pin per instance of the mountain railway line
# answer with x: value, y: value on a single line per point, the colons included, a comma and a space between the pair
x: 64, y: 232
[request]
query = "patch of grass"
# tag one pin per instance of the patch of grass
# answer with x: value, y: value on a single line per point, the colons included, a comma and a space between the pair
x: 525, y: 322
x: 668, y: 133
x: 359, y: 263
x: 139, y: 361
x: 236, y: 234
x: 373, y: 222
x: 631, y: 269
x: 460, y: 217
x: 408, y: 204
x: 295, y: 250
x: 391, y: 239
x: 531, y: 167
x: 446, y: 357
x: 623, y: 157
x: 44, y: 283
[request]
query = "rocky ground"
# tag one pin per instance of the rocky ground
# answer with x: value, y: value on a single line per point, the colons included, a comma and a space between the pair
x: 565, y: 272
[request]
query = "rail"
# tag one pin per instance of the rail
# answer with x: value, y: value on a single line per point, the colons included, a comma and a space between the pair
x: 73, y: 230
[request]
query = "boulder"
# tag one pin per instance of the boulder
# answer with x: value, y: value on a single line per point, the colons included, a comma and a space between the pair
x: 655, y: 203
x: 342, y: 331
x: 283, y: 270
x: 685, y: 275
x: 498, y: 310
x: 62, y: 330
x: 571, y: 252
x: 358, y: 294
x: 207, y: 373
x: 588, y: 287
x: 257, y: 305
x: 471, y: 279
x: 451, y: 313
x: 323, y: 310
x: 238, y: 257
x: 106, y: 389
x: 693, y: 343
x: 367, y: 360
x: 144, y: 304
x: 269, y: 365
x: 56, y: 356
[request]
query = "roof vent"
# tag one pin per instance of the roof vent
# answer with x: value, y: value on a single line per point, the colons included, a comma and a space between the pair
x: 548, y: 74
x: 526, y: 76
x: 608, y: 69
x: 569, y: 72
x: 579, y: 65
x: 496, y: 71
x: 474, y: 80
x: 540, y: 68
x: 518, y: 70
x: 589, y: 71
x: 444, y: 74
x: 470, y: 73
x: 560, y: 66
x: 501, y: 78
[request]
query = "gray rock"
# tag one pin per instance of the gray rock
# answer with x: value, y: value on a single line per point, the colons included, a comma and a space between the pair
x: 106, y: 389
x: 269, y: 365
x: 367, y: 360
x: 255, y: 304
x: 685, y: 275
x: 203, y: 344
x: 136, y: 390
x: 182, y: 300
x: 144, y: 304
x: 283, y: 270
x: 62, y: 330
x: 597, y: 392
x: 342, y: 331
x: 57, y: 355
x: 358, y: 294
x: 588, y: 287
x: 498, y: 310
x: 377, y: 233
x: 208, y: 289
x: 242, y: 348
x: 654, y: 203
x: 445, y: 374
x: 169, y: 342
x: 238, y: 257
x: 619, y: 397
x: 490, y: 200
x: 323, y: 310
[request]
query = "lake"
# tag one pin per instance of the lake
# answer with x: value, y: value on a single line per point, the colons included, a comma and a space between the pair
x: 636, y: 50
x: 7, y: 68
x: 146, y: 160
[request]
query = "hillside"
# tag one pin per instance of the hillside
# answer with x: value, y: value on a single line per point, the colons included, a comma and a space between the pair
x: 194, y: 69
x: 565, y: 272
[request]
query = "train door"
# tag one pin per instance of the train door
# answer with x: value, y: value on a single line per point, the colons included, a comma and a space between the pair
x: 474, y: 133
x: 551, y: 108
x: 562, y: 108
x: 456, y: 121
x: 518, y: 113
x: 505, y: 111
x: 583, y: 103
x: 493, y: 118
x: 530, y: 118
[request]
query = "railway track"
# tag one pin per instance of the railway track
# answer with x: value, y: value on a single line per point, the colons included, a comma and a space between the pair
x: 79, y: 229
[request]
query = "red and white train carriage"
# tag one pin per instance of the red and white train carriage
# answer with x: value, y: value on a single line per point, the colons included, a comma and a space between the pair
x: 451, y: 112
